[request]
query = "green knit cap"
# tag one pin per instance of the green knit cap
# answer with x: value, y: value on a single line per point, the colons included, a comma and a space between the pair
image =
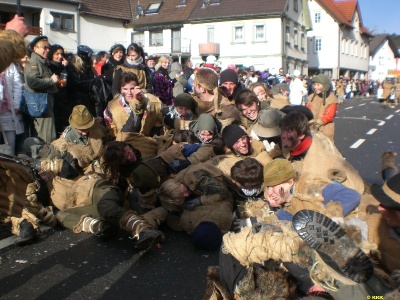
x: 278, y: 171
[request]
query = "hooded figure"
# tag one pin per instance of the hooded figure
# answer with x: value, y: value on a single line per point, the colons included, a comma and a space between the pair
x: 181, y: 81
x: 323, y: 104
x: 208, y: 123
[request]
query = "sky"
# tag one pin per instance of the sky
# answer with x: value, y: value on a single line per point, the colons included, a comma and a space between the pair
x: 381, y: 16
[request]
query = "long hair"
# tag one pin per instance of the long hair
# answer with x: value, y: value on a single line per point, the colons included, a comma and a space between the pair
x: 78, y: 63
x: 111, y: 158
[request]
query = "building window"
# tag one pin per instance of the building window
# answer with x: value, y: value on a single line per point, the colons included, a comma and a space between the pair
x: 215, y: 1
x: 156, y: 38
x: 318, y: 44
x: 302, y: 40
x: 343, y: 46
x: 62, y: 22
x: 317, y: 17
x: 287, y: 34
x: 210, y: 34
x: 182, y: 2
x: 259, y: 33
x: 138, y: 38
x: 238, y: 34
x: 153, y: 8
x: 356, y: 49
x: 296, y: 5
x: 351, y: 48
x: 296, y: 38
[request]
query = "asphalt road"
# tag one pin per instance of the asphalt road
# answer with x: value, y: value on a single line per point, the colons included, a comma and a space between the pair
x: 63, y: 265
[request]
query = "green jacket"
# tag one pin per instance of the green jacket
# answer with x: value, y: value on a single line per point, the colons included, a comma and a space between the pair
x: 38, y: 76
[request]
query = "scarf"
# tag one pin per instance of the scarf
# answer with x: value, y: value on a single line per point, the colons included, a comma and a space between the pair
x: 303, y: 147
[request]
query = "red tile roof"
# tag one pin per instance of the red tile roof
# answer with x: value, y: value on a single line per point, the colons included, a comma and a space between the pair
x: 331, y: 8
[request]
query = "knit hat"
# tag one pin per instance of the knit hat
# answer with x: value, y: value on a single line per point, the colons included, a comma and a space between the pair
x: 299, y: 108
x: 228, y: 75
x: 117, y: 47
x: 207, y: 236
x: 324, y: 80
x: 268, y: 123
x: 81, y: 118
x: 389, y: 194
x: 231, y: 134
x: 36, y: 40
x: 278, y: 171
x: 185, y: 100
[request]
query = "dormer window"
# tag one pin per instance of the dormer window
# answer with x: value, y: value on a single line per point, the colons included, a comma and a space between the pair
x: 153, y: 8
x: 182, y: 2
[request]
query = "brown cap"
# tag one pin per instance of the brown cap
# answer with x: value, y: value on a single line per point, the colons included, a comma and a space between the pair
x: 278, y: 171
x: 81, y: 118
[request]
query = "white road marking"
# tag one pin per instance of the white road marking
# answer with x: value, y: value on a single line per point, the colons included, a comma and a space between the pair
x: 357, y: 144
x: 389, y: 117
x: 398, y: 110
x: 349, y: 107
x: 371, y: 131
x: 381, y: 123
x: 362, y: 104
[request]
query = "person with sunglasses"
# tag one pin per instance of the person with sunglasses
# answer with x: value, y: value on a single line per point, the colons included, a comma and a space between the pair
x: 40, y: 79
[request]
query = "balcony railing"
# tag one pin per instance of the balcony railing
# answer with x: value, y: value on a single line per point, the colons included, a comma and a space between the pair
x: 32, y: 30
x: 209, y: 49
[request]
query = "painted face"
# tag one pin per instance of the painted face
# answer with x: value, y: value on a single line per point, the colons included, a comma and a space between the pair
x: 241, y: 146
x: 229, y: 88
x: 318, y: 87
x: 117, y: 55
x: 391, y: 216
x: 42, y: 48
x: 278, y: 194
x: 260, y: 93
x: 206, y: 135
x: 250, y: 111
x: 83, y: 132
x: 132, y: 55
x: 58, y: 56
x: 129, y: 156
x: 131, y: 91
x: 165, y: 64
x: 290, y: 139
x: 183, y: 111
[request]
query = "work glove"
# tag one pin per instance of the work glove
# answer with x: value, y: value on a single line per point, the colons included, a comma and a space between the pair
x: 238, y: 224
x: 70, y: 167
x: 191, y: 204
x: 178, y: 165
x: 189, y: 149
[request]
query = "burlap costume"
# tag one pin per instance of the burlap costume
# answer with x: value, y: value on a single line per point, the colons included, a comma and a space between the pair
x: 324, y: 160
x: 221, y: 107
x: 146, y: 145
x: 139, y: 72
x: 387, y: 89
x: 85, y: 150
x: 148, y: 110
x: 324, y: 111
x: 202, y: 154
x: 18, y: 199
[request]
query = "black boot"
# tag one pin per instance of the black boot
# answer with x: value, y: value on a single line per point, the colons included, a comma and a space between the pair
x: 27, y: 234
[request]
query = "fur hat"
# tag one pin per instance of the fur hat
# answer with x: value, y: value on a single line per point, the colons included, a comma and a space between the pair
x: 231, y: 134
x: 278, y: 171
x: 207, y: 236
x: 228, y: 75
x: 324, y: 80
x: 36, y: 40
x: 116, y: 47
x: 185, y: 100
x: 268, y: 123
x: 389, y: 194
x: 81, y: 118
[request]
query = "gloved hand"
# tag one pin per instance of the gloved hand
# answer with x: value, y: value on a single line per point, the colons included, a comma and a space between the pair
x: 70, y: 167
x: 238, y: 224
x: 169, y: 120
x: 132, y: 124
x: 191, y: 204
x: 189, y: 149
x: 178, y: 165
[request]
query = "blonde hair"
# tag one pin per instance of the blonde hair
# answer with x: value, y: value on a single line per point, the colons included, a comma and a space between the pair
x: 160, y: 61
x: 171, y: 194
x: 78, y: 63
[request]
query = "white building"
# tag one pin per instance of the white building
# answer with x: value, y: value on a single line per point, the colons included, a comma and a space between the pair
x: 338, y: 43
x: 383, y: 53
